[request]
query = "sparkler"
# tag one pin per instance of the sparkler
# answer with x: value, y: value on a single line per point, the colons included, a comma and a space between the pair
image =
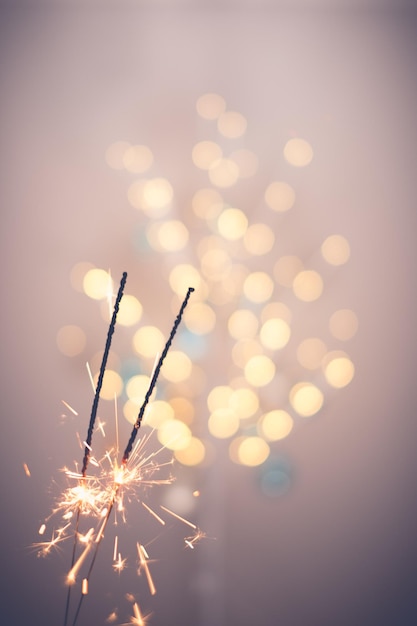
x: 98, y: 496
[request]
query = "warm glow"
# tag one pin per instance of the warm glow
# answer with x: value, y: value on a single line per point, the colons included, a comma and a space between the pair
x: 205, y: 153
x: 232, y: 224
x: 259, y: 370
x: 215, y: 264
x: 137, y: 159
x: 335, y: 250
x: 148, y: 341
x: 158, y: 412
x: 223, y: 423
x: 244, y: 402
x: 175, y: 435
x: 306, y: 399
x: 338, y: 369
x: 253, y: 451
x: 183, y: 409
x: 199, y: 318
x: 177, y: 366
x: 115, y: 153
x: 130, y: 311
x: 97, y: 284
x: 258, y: 287
x: 279, y: 196
x: 286, y: 269
x: 276, y: 425
x: 259, y: 239
x: 343, y: 324
x: 210, y: 105
x: 310, y: 353
x: 157, y: 195
x: 136, y: 387
x: 193, y: 454
x: 276, y: 309
x: 71, y: 340
x: 112, y: 385
x: 224, y: 173
x: 207, y: 203
x: 246, y: 161
x: 232, y: 124
x: 308, y: 285
x: 298, y: 152
x: 244, y: 350
x: 243, y: 324
x: 275, y: 334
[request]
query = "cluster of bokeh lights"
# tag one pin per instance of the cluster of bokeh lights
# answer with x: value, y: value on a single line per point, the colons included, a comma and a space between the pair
x: 243, y: 323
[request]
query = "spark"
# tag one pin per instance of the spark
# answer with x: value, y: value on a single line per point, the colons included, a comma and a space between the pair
x: 191, y: 541
x: 120, y: 564
x: 69, y: 407
x: 182, y: 519
x: 27, y: 470
x: 144, y: 565
x: 152, y: 512
x: 90, y: 375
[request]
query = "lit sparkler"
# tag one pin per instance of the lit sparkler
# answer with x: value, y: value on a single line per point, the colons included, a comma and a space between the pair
x: 114, y: 485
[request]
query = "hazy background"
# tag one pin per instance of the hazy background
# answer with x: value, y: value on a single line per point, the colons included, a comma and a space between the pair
x: 339, y: 548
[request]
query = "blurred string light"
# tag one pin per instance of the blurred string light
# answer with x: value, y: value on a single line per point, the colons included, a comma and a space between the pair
x: 249, y: 298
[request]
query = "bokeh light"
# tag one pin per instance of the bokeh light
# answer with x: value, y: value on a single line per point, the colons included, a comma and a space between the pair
x: 71, y: 340
x: 258, y: 287
x: 338, y: 369
x: 244, y: 402
x: 205, y: 153
x: 199, y: 318
x: 335, y: 250
x: 252, y: 451
x: 130, y: 311
x: 148, y: 341
x: 97, y: 284
x: 137, y: 159
x: 306, y: 399
x: 177, y: 366
x: 279, y: 196
x: 223, y: 423
x: 243, y: 324
x: 210, y: 106
x: 231, y: 124
x: 112, y: 385
x: 193, y: 454
x: 232, y: 224
x: 343, y: 324
x: 275, y: 333
x: 174, y: 435
x: 298, y: 152
x: 259, y: 370
x: 308, y: 285
x: 275, y: 425
x: 207, y: 203
x: 259, y: 239
x: 223, y: 173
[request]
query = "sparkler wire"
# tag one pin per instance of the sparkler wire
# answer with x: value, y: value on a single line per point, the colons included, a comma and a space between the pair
x: 155, y: 378
x: 93, y: 416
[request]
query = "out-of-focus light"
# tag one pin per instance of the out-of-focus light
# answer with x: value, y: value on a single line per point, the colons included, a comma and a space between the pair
x: 215, y: 264
x: 306, y: 399
x: 97, y: 284
x: 246, y: 161
x: 223, y: 173
x: 244, y: 350
x: 286, y: 269
x: 335, y: 250
x: 115, y: 153
x: 193, y: 454
x: 71, y: 340
x: 244, y: 402
x: 157, y: 196
x: 310, y: 353
x: 78, y: 271
x: 308, y: 285
x: 205, y: 153
x: 183, y: 276
x: 298, y: 152
x: 223, y: 423
x: 130, y: 311
x: 112, y: 385
x: 148, y: 341
x: 275, y: 425
x: 275, y: 334
x: 158, y: 412
x: 199, y: 318
x: 136, y: 387
x: 276, y: 310
x: 172, y: 235
x: 183, y: 409
x: 259, y: 370
x: 135, y: 193
x: 258, y: 287
x: 177, y: 366
x: 130, y: 410
x: 243, y: 324
x: 343, y: 324
x: 259, y: 239
x: 219, y: 397
x: 174, y: 435
x: 207, y: 203
x: 279, y: 196
x: 210, y: 105
x: 137, y: 159
x: 232, y: 124
x: 252, y: 451
x: 338, y: 369
x: 232, y: 224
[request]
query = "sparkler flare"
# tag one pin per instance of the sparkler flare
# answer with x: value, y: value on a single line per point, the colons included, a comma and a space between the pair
x: 112, y: 486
